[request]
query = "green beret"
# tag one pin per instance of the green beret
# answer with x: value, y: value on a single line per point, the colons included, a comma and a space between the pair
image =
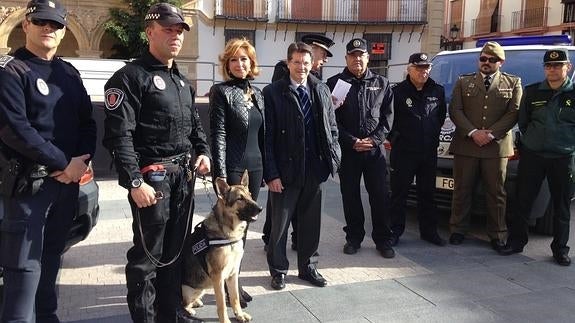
x: 494, y: 49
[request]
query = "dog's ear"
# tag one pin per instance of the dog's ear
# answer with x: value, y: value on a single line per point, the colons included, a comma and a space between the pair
x: 245, y: 179
x: 221, y: 187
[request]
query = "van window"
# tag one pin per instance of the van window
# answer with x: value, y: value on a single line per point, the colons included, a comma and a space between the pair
x: 527, y: 64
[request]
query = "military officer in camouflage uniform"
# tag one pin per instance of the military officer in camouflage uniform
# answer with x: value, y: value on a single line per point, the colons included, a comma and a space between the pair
x: 484, y: 108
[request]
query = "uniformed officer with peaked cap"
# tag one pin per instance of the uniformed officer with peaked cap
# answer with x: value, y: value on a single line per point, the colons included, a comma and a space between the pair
x: 419, y: 111
x: 47, y: 136
x: 547, y: 150
x: 484, y: 109
x: 151, y: 127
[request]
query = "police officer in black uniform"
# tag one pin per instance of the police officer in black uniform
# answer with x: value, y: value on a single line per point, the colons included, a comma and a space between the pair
x: 364, y: 121
x: 151, y: 127
x: 419, y: 113
x: 320, y: 49
x: 47, y: 136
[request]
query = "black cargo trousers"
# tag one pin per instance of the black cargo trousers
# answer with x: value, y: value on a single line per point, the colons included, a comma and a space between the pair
x: 154, y: 290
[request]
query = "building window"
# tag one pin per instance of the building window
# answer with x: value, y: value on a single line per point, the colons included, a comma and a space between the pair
x: 241, y: 33
x: 569, y: 12
x: 488, y: 19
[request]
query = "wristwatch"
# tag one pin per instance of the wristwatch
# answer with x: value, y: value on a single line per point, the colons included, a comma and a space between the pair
x: 136, y: 182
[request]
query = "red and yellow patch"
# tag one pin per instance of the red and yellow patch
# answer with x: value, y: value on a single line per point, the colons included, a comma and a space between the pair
x: 114, y: 98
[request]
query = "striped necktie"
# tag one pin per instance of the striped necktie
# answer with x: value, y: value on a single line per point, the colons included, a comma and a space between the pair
x: 305, y: 104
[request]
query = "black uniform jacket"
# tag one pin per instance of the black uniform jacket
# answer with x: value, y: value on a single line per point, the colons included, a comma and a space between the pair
x: 285, y: 129
x: 150, y: 114
x: 229, y: 116
x: 367, y: 110
x: 45, y: 112
x: 418, y: 116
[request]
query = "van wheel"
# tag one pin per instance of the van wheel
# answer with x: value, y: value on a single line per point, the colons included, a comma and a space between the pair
x: 544, y: 224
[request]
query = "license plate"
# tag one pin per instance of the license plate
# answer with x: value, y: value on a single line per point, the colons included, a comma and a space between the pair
x: 444, y: 183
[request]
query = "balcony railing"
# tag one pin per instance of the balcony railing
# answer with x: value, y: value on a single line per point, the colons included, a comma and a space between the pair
x: 486, y: 25
x: 242, y: 9
x: 529, y: 18
x: 354, y: 11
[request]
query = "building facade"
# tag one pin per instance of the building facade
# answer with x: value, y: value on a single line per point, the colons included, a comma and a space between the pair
x: 468, y: 20
x: 394, y: 28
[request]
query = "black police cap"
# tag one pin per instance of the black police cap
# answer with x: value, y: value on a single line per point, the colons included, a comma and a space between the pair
x: 166, y: 15
x: 419, y: 59
x: 47, y: 10
x: 356, y: 45
x: 557, y: 55
x: 319, y: 40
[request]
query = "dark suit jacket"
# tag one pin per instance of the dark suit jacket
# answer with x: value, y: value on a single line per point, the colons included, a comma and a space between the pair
x: 285, y: 131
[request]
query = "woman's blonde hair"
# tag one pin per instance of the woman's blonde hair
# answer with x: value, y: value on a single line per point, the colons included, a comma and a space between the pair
x: 231, y: 49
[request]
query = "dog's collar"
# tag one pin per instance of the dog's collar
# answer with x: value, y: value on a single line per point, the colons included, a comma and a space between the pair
x: 222, y: 242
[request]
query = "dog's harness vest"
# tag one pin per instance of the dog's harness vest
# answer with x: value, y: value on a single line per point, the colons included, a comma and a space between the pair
x: 201, y: 244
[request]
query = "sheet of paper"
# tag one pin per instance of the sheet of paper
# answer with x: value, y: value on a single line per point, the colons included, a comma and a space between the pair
x: 340, y: 91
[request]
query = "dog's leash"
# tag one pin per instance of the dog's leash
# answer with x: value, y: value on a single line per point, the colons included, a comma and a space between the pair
x: 157, y: 262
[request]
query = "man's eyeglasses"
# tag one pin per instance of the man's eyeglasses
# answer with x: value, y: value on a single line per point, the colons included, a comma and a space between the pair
x: 44, y: 22
x: 491, y: 60
x: 553, y: 65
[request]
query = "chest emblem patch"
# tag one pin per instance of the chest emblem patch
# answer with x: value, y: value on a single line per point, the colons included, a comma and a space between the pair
x: 409, y: 103
x: 182, y: 82
x: 42, y: 87
x: 114, y: 98
x: 159, y: 83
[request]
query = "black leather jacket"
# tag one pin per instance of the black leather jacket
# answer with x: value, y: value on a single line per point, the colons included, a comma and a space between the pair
x: 229, y: 114
x: 285, y: 140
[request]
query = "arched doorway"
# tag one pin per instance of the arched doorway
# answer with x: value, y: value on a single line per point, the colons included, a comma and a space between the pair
x: 68, y: 47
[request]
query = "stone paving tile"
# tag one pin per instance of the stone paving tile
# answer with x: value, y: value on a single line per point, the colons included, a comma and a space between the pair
x: 461, y: 285
x: 553, y: 305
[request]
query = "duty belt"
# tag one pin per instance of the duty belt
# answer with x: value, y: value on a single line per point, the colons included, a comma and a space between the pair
x: 170, y: 162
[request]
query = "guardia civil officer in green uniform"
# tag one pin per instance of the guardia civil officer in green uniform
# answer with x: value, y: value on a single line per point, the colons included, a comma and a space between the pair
x: 547, y: 124
x: 484, y: 109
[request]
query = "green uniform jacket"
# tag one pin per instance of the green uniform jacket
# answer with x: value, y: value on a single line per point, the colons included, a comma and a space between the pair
x: 474, y: 107
x: 547, y: 119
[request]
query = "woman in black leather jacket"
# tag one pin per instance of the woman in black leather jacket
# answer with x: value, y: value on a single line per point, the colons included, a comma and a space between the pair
x: 237, y: 122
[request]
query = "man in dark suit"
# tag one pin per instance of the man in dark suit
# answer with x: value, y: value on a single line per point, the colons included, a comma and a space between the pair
x: 484, y: 108
x: 320, y: 49
x: 301, y: 151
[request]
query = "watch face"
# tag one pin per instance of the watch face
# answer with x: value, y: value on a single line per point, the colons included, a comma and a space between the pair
x: 136, y: 182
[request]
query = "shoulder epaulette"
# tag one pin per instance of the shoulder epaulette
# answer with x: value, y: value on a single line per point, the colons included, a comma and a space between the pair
x: 507, y: 74
x: 466, y: 75
x: 5, y: 59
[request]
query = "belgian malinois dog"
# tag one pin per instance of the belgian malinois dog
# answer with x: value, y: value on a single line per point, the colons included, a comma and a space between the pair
x: 214, y: 258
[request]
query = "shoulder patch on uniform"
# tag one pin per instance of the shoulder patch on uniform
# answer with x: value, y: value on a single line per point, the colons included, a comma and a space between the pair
x: 113, y: 98
x: 467, y: 75
x: 5, y: 59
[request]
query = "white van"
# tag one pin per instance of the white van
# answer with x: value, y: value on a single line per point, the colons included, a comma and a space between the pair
x: 525, y: 61
x: 95, y: 73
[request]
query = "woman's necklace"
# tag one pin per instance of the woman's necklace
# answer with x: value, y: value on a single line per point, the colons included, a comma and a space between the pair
x: 248, y: 97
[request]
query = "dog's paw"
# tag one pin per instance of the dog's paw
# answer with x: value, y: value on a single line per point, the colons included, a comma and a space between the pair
x: 243, y: 317
x: 197, y: 303
x: 190, y: 309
